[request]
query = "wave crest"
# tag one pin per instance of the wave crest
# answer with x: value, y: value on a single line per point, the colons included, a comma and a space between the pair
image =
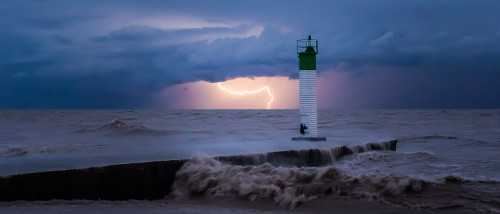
x: 118, y: 127
x: 7, y: 151
x: 118, y: 124
x: 286, y: 186
x: 308, y: 157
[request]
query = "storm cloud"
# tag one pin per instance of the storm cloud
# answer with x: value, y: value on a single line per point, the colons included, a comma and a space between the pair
x: 121, y: 54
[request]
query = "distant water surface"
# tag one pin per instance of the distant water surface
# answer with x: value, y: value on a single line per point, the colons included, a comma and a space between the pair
x: 434, y: 147
x: 447, y: 141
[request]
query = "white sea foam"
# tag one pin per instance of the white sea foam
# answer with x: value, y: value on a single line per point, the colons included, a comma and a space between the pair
x: 287, y: 186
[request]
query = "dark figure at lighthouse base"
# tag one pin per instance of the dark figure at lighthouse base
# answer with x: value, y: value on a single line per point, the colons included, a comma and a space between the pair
x: 303, y: 128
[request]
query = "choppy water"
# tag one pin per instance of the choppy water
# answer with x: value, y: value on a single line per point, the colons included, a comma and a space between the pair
x: 436, y: 149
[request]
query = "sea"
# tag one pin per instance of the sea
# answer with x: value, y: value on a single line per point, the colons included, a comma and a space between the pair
x: 444, y: 158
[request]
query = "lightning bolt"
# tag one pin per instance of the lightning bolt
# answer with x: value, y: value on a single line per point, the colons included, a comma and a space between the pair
x: 250, y: 92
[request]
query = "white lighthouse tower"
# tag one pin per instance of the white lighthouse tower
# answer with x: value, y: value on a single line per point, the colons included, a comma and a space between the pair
x: 307, y: 49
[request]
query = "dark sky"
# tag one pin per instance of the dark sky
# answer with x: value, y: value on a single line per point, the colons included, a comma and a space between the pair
x: 121, y: 54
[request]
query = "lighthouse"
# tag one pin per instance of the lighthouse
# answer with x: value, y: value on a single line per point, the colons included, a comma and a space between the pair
x: 307, y: 49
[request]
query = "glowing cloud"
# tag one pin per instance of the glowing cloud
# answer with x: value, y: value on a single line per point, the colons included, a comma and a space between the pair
x: 250, y: 92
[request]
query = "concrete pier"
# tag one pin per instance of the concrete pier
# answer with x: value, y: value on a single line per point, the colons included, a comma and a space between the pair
x: 150, y: 180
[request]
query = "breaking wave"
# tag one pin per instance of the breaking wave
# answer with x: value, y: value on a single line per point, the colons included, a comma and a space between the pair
x: 430, y: 137
x: 118, y: 127
x: 308, y: 157
x: 291, y: 186
x: 290, y: 178
x: 460, y: 179
x: 9, y: 151
x: 117, y: 124
x: 286, y: 186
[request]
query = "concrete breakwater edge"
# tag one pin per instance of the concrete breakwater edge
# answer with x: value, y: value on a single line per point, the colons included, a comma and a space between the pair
x: 151, y: 180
